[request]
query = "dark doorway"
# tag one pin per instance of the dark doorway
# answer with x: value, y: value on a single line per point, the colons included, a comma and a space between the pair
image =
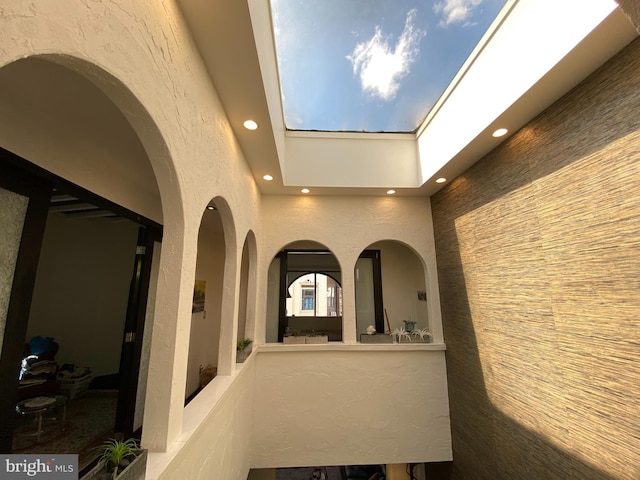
x: 66, y: 213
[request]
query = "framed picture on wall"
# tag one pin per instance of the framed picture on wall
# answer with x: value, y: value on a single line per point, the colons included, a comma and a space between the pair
x: 198, y: 296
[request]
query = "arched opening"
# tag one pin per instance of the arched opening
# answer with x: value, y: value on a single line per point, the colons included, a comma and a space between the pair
x: 304, y: 302
x: 390, y: 285
x: 206, y: 319
x: 245, y: 332
x: 93, y: 268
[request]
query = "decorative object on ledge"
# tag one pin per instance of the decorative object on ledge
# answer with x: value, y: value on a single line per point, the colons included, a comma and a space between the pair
x: 121, y: 460
x: 422, y: 335
x: 313, y: 338
x: 409, y: 325
x: 400, y: 335
x: 376, y: 338
x: 294, y: 339
x: 371, y: 330
x: 242, y: 349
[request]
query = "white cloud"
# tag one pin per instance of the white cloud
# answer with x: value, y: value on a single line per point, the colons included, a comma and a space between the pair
x: 455, y: 11
x: 379, y: 66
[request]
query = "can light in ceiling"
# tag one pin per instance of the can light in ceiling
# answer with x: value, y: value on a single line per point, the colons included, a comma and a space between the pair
x: 501, y: 132
x: 268, y: 178
x: 305, y: 190
x: 391, y: 192
x: 441, y: 180
x: 250, y: 125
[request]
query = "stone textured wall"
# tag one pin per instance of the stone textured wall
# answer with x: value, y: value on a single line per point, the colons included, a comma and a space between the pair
x: 538, y: 251
x: 631, y: 8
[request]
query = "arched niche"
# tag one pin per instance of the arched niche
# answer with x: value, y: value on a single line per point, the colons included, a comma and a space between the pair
x: 390, y: 286
x: 304, y: 293
x: 246, y: 308
x: 206, y: 315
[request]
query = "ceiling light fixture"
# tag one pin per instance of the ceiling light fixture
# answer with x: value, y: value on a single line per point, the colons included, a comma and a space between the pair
x: 268, y: 178
x: 391, y: 192
x: 501, y: 132
x: 210, y: 207
x: 305, y: 190
x: 250, y: 125
x: 441, y: 180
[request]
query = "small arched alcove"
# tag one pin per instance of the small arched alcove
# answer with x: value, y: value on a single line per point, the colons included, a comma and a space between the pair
x: 304, y: 295
x: 390, y: 285
x: 206, y: 312
x: 246, y: 309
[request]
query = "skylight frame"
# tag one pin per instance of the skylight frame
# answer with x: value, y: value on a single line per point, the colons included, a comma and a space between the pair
x: 418, y: 119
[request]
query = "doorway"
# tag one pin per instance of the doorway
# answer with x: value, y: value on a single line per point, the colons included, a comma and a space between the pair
x: 85, y: 300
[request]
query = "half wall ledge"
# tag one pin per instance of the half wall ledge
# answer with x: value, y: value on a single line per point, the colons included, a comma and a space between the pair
x: 342, y: 347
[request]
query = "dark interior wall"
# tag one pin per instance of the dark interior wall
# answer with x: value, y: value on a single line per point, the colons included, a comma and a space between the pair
x: 81, y: 292
x: 538, y: 250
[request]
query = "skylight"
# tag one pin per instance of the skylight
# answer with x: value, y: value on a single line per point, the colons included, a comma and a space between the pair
x: 371, y: 65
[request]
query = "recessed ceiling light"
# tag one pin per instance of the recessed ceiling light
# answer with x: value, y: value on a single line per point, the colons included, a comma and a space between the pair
x: 210, y: 207
x: 391, y: 192
x: 268, y: 178
x: 500, y: 132
x: 441, y: 180
x: 250, y: 125
x: 305, y: 190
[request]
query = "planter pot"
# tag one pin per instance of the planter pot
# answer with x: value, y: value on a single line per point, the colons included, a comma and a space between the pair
x: 293, y: 339
x: 135, y: 470
x: 242, y: 355
x: 317, y: 339
x: 376, y: 338
x: 415, y: 339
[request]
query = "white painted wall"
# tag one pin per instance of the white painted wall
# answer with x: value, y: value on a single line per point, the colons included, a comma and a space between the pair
x: 82, y: 290
x: 349, y: 405
x: 216, y: 435
x: 402, y: 276
x: 350, y: 160
x: 270, y: 326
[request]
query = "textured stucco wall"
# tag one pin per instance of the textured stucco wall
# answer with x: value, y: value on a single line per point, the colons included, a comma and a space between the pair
x: 537, y: 248
x: 215, y: 442
x: 141, y: 55
x: 349, y: 407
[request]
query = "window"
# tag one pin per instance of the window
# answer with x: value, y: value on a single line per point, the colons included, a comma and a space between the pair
x: 308, y: 298
x: 331, y: 297
x: 310, y: 295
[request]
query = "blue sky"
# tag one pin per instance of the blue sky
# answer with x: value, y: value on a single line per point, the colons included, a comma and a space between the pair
x: 372, y: 65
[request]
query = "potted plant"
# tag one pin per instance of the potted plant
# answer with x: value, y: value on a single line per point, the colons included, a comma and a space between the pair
x: 241, y: 348
x: 120, y: 459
